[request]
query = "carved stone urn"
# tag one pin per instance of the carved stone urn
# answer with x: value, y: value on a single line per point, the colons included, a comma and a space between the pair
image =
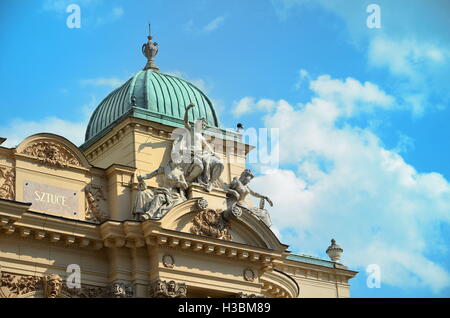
x: 334, y: 251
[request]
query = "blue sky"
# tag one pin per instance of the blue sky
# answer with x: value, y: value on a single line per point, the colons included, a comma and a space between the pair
x: 362, y: 113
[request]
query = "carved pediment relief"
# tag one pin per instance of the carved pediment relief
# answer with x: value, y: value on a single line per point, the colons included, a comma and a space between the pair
x: 49, y: 152
x: 193, y: 216
x: 52, y: 150
x: 211, y: 222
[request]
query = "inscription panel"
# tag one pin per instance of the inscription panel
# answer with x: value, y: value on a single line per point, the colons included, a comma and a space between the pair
x: 52, y: 199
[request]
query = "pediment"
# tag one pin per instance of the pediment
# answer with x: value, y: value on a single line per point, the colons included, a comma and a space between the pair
x: 246, y: 229
x: 52, y: 150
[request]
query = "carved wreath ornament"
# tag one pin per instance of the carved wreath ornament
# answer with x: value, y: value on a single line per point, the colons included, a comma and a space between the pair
x: 211, y: 223
x: 52, y: 153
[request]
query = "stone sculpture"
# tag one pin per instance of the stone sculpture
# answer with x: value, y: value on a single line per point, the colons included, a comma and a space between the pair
x: 7, y: 188
x: 150, y: 49
x: 154, y: 204
x: 192, y: 160
x: 190, y: 148
x: 237, y: 194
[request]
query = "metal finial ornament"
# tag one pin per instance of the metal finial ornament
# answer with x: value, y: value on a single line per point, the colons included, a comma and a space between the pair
x: 150, y: 49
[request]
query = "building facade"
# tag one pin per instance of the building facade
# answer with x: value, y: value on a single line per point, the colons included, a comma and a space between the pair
x: 155, y: 203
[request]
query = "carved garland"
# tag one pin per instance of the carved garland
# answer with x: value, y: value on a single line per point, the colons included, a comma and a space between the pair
x: 12, y: 286
x: 7, y: 189
x: 211, y: 223
x: 52, y: 153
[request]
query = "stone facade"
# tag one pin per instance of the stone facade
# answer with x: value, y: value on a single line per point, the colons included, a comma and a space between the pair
x: 190, y: 252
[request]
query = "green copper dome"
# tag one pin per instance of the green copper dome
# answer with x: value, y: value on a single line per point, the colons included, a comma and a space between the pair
x: 153, y: 96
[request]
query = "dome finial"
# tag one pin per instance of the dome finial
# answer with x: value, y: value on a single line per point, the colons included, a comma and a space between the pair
x: 150, y: 49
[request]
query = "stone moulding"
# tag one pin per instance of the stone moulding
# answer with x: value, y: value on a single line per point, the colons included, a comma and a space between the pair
x: 49, y: 152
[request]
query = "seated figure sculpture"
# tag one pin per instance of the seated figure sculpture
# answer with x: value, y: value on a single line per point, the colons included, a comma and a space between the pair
x: 155, y: 204
x: 238, y: 191
x: 199, y: 161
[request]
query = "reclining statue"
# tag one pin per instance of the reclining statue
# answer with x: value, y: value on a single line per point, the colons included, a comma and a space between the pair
x: 238, y: 191
x: 154, y: 204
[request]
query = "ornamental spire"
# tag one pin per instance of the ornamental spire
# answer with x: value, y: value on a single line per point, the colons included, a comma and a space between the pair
x: 150, y: 49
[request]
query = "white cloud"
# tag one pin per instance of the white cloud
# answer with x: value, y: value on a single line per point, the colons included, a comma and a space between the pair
x: 60, y: 6
x: 406, y: 57
x: 412, y: 45
x: 97, y: 15
x: 303, y: 76
x: 111, y: 16
x: 118, y: 12
x: 112, y: 82
x: 18, y: 129
x: 214, y: 24
x: 247, y: 105
x: 348, y: 186
x: 350, y: 95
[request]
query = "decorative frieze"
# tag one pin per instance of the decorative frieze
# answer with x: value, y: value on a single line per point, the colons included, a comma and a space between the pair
x: 121, y: 290
x: 85, y: 292
x: 49, y: 152
x: 12, y: 286
x: 164, y: 289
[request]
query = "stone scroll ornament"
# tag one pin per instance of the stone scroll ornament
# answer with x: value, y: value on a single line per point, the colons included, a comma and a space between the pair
x: 7, y: 187
x: 238, y: 191
x: 48, y: 152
